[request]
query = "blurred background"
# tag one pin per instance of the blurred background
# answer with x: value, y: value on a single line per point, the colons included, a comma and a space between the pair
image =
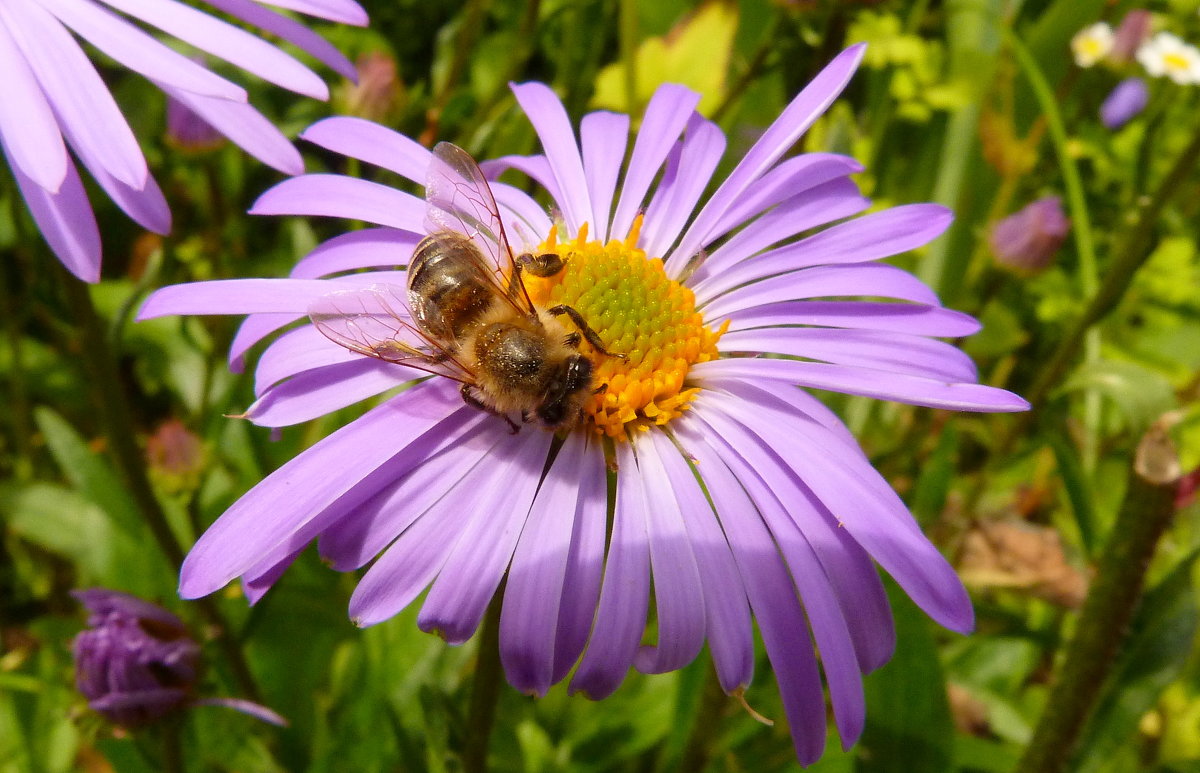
x: 1075, y: 243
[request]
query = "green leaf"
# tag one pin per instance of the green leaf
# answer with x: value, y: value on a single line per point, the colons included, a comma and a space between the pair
x: 909, y: 729
x: 1140, y: 394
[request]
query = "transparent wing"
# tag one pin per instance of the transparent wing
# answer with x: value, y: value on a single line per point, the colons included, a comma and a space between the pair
x: 374, y: 321
x: 460, y: 200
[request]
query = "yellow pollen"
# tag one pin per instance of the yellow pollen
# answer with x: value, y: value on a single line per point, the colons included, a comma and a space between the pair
x: 627, y: 298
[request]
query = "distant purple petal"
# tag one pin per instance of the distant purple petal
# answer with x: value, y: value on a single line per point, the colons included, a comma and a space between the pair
x: 368, y: 248
x: 140, y: 52
x: 245, y: 127
x: 344, y: 11
x: 64, y: 218
x: 224, y: 40
x: 290, y: 30
x: 813, y: 100
x: 75, y: 90
x: 331, y: 195
x: 675, y: 198
x: 27, y: 123
x: 603, y: 138
x: 880, y: 384
x: 370, y: 142
x: 314, y: 393
x: 1124, y: 103
x: 533, y: 593
x: 460, y: 595
x: 912, y: 318
x: 625, y: 595
x: 270, y: 513
x: 678, y: 594
x: 553, y: 127
x: 663, y: 122
x: 249, y: 708
x: 871, y: 237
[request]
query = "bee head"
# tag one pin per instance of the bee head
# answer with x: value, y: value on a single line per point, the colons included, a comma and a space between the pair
x: 562, y: 400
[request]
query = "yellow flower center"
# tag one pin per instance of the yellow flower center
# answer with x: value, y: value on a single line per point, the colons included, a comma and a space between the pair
x: 1176, y: 62
x: 637, y: 311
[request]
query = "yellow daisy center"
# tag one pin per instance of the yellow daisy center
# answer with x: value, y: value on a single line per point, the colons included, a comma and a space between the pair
x: 637, y: 311
x: 1176, y: 62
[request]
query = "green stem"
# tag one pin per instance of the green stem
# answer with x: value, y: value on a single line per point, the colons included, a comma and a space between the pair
x: 757, y: 64
x: 713, y: 703
x: 1144, y: 516
x: 485, y: 692
x: 18, y: 406
x: 116, y: 419
x: 172, y: 742
x: 628, y: 36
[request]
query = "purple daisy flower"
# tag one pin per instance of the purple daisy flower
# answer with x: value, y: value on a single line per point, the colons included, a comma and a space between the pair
x: 436, y: 494
x: 55, y: 98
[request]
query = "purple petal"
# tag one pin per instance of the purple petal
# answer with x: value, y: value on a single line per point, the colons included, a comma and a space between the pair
x: 224, y: 40
x: 236, y: 296
x: 553, y: 127
x: 678, y: 594
x: 895, y: 352
x: 864, y: 505
x: 1124, y: 103
x: 290, y: 30
x: 758, y: 471
x: 331, y: 195
x: 817, y: 206
x: 533, y: 594
x: 676, y: 196
x: 880, y: 384
x: 296, y: 351
x: 911, y: 318
x: 531, y: 224
x: 288, y: 499
x: 315, y: 393
x: 368, y: 520
x: 603, y: 137
x: 788, y: 178
x: 140, y: 52
x: 823, y: 281
x: 64, y: 218
x: 245, y: 127
x: 795, y: 119
x: 871, y: 237
x: 374, y: 144
x: 249, y: 708
x: 344, y: 11
x: 253, y: 329
x: 76, y: 92
x: 625, y: 595
x: 536, y: 168
x: 771, y: 592
x: 368, y: 248
x: 418, y: 555
x: 668, y: 112
x: 259, y: 578
x: 27, y: 123
x: 726, y: 609
x: 471, y: 575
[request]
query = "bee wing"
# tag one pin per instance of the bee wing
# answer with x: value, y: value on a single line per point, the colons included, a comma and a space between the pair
x: 374, y: 321
x: 459, y: 199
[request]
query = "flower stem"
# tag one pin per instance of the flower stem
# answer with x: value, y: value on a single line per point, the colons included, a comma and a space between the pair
x: 485, y: 692
x: 172, y: 745
x: 1144, y: 516
x: 117, y: 424
x: 713, y: 703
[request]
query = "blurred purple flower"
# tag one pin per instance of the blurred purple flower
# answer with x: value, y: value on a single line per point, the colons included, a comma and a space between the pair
x: 1027, y: 240
x: 1124, y: 102
x: 1133, y: 30
x: 187, y: 131
x: 135, y: 663
x: 442, y: 497
x: 55, y: 98
x: 378, y: 91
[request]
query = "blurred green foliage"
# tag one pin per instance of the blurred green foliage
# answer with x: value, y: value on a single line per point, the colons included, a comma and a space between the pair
x: 942, y: 111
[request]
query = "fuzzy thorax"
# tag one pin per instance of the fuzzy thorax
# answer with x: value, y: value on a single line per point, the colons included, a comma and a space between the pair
x: 627, y: 298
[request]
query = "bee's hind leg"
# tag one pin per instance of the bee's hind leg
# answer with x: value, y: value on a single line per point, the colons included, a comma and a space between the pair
x: 478, y: 404
x: 585, y: 328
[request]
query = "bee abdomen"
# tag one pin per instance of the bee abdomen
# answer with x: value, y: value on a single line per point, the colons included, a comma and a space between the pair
x: 446, y: 293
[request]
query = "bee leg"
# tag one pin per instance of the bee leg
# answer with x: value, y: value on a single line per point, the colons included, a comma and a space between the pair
x: 601, y: 389
x: 588, y: 333
x: 572, y: 340
x: 543, y: 265
x: 478, y: 404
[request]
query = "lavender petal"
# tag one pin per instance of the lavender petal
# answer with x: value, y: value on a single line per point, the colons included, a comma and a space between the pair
x: 603, y: 137
x: 331, y: 195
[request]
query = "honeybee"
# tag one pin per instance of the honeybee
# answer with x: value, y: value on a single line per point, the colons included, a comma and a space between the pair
x: 466, y: 313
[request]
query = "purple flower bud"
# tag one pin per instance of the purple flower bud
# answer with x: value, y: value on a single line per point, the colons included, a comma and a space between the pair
x: 1131, y: 33
x: 135, y: 663
x: 378, y: 92
x: 186, y: 130
x: 1026, y: 240
x: 1124, y: 102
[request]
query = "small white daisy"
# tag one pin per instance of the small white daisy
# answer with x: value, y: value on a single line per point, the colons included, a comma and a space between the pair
x: 1092, y: 43
x: 1165, y: 54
